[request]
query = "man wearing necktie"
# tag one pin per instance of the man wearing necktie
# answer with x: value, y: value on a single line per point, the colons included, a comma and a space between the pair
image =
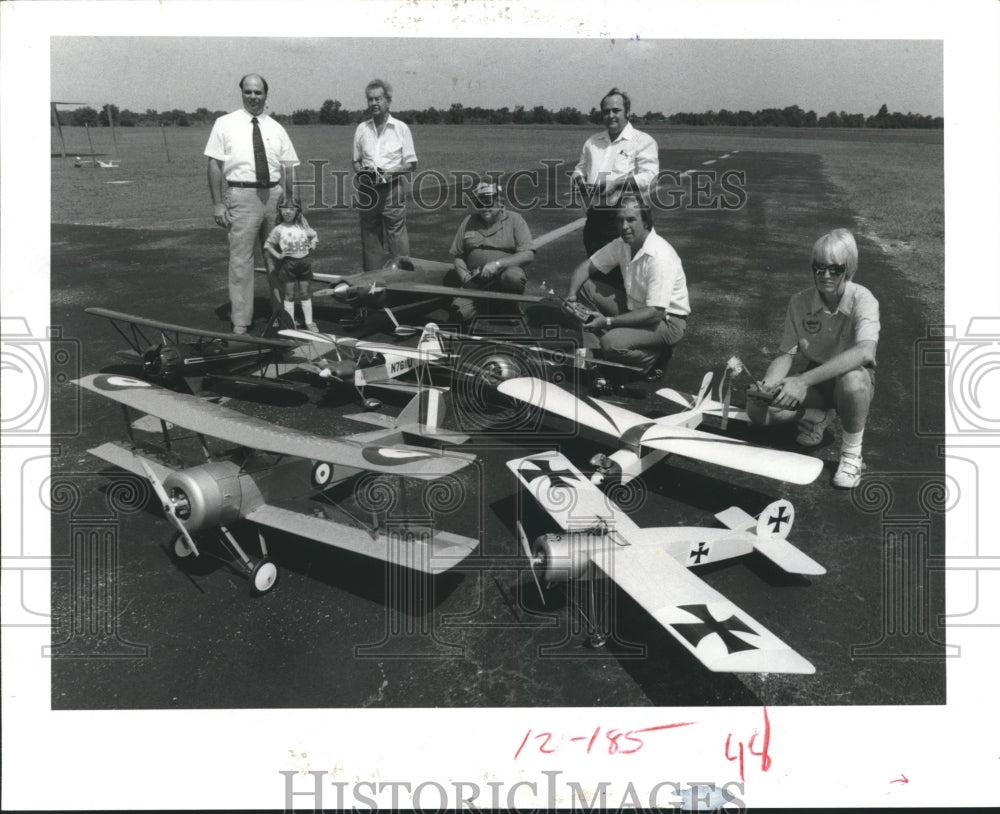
x: 252, y: 153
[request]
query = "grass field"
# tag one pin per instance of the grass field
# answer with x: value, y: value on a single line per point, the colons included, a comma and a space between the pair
x: 893, y: 181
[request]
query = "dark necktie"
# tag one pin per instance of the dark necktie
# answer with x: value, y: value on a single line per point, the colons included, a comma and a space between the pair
x: 260, y: 155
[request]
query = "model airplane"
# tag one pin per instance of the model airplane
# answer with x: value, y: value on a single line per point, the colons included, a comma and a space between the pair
x: 651, y: 564
x: 405, y: 276
x: 280, y: 477
x: 643, y: 442
x: 112, y: 164
x: 180, y: 354
x: 366, y: 363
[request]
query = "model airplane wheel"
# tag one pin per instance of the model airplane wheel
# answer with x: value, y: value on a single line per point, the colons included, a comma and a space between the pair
x: 263, y: 577
x: 180, y: 546
x: 371, y: 404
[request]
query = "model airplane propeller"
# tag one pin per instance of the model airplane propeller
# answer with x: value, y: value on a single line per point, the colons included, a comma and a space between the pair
x: 533, y: 558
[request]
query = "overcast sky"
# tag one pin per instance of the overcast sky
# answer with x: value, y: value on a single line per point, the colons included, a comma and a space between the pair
x: 666, y: 75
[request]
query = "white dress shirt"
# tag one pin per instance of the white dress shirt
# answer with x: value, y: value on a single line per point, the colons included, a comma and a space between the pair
x: 231, y: 142
x: 653, y: 276
x: 391, y: 150
x: 632, y: 152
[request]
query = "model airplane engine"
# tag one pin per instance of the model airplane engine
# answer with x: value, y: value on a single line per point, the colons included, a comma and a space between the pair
x: 496, y: 367
x: 206, y: 496
x: 565, y: 557
x: 623, y: 464
x: 163, y: 360
x: 338, y: 368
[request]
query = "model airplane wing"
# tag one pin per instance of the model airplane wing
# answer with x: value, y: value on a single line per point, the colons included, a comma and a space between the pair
x: 668, y: 434
x: 714, y: 630
x: 429, y: 550
x: 198, y: 416
x: 454, y: 291
x: 569, y: 497
x: 242, y: 339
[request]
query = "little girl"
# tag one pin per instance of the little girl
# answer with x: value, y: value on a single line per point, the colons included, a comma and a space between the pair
x: 289, y: 244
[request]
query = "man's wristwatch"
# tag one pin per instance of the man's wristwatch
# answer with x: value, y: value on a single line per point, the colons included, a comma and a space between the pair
x: 608, y: 324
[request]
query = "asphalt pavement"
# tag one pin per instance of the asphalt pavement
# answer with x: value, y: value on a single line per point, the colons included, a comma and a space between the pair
x: 138, y: 629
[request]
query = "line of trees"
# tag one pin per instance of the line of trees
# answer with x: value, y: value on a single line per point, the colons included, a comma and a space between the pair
x: 333, y: 112
x: 794, y: 116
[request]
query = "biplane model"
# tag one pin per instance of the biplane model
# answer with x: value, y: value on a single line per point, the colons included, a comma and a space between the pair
x: 643, y: 441
x: 179, y: 354
x: 651, y: 564
x: 279, y: 477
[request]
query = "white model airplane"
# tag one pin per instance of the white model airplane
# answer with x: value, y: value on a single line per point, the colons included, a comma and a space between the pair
x: 112, y: 164
x: 643, y: 442
x: 364, y: 362
x: 278, y: 477
x: 651, y: 564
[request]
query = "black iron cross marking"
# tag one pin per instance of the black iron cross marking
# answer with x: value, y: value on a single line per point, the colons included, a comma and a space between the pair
x: 777, y: 520
x: 694, y: 632
x: 545, y: 468
x: 702, y: 551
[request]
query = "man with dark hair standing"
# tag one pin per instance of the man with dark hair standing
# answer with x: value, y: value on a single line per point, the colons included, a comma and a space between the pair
x: 252, y: 153
x: 619, y: 160
x: 383, y: 160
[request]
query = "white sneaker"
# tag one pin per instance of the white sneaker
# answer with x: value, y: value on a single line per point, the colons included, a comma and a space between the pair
x: 811, y: 432
x: 849, y: 471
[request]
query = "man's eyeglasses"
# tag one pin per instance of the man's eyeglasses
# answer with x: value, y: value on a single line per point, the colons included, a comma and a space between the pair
x: 835, y: 270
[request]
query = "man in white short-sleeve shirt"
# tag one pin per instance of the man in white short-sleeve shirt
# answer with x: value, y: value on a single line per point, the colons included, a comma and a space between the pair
x: 640, y: 325
x: 383, y: 160
x: 619, y: 160
x: 253, y: 155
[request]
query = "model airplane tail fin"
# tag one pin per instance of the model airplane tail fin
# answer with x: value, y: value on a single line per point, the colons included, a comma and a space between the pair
x: 280, y: 320
x: 771, y: 527
x: 426, y: 408
x: 430, y: 339
x: 706, y: 383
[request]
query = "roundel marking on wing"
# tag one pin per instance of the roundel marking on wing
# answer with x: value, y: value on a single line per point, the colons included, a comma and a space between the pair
x: 321, y: 474
x: 389, y: 456
x: 111, y: 382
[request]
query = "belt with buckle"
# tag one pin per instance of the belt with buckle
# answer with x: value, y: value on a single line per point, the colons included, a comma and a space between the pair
x: 253, y: 184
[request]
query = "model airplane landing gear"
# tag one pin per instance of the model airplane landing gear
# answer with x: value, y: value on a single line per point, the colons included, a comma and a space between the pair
x: 597, y: 638
x: 179, y: 545
x: 262, y: 574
